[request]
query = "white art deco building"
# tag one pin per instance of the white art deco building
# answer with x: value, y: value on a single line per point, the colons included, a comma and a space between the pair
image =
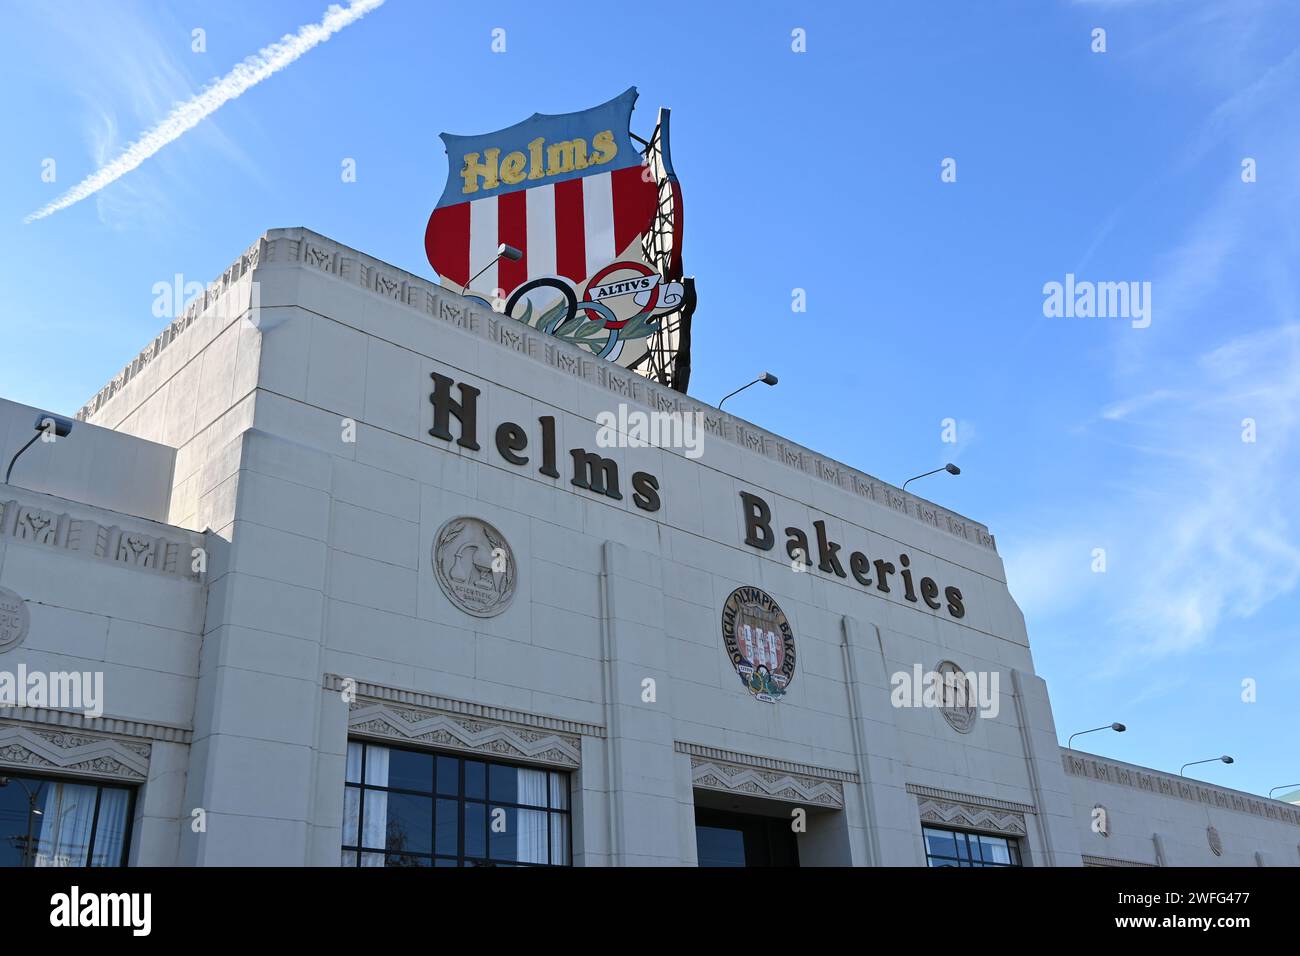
x: 358, y: 581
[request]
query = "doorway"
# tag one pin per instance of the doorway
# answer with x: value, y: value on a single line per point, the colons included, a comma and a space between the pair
x: 724, y: 838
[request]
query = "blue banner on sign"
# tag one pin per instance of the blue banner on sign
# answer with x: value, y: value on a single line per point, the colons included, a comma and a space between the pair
x: 542, y: 149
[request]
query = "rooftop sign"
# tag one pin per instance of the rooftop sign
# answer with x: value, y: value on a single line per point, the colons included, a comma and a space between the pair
x: 593, y: 225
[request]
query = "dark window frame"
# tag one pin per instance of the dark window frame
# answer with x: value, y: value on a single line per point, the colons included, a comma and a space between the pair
x: 459, y: 858
x: 972, y: 860
x: 128, y: 831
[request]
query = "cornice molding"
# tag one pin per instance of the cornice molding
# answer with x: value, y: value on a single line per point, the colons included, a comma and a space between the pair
x: 1167, y: 785
x: 764, y: 763
x: 728, y: 771
x: 301, y: 248
x: 970, y: 811
x: 410, y: 724
x: 211, y: 296
x: 1091, y: 860
x: 461, y: 708
x: 70, y: 720
x: 966, y: 817
x: 971, y: 799
x: 81, y: 753
x: 139, y: 550
x: 751, y: 781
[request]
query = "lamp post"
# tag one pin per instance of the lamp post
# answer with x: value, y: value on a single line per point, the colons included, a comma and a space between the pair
x: 32, y: 811
x: 1225, y: 759
x: 45, y: 425
x: 1117, y: 727
x: 1285, y: 786
x: 950, y: 468
x: 767, y: 378
x: 503, y: 252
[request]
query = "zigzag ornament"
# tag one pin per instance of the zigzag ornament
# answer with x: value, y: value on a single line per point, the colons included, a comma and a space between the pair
x: 406, y: 723
x: 734, y: 779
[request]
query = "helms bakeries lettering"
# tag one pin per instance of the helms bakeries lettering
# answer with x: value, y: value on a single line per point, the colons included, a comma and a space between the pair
x: 758, y: 534
x: 493, y: 169
x: 591, y: 471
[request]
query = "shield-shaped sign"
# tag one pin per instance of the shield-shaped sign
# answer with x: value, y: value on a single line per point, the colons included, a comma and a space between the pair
x: 580, y: 208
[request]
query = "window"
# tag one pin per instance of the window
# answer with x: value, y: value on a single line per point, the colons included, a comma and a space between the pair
x: 960, y: 848
x: 45, y: 821
x: 418, y: 808
x: 739, y: 839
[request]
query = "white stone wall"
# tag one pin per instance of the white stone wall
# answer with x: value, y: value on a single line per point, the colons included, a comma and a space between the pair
x: 112, y: 595
x: 321, y: 584
x: 1158, y: 818
x: 327, y: 571
x: 92, y: 465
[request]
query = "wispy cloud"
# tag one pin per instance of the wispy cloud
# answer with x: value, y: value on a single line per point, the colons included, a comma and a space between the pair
x: 1123, y: 409
x: 1196, y: 514
x: 1226, y: 533
x: 253, y: 70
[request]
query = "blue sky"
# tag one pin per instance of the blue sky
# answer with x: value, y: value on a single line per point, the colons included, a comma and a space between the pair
x: 820, y: 171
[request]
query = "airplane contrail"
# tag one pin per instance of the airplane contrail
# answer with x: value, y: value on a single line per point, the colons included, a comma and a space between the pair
x: 253, y: 70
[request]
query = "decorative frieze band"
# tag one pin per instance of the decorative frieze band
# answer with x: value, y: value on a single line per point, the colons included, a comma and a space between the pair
x: 78, y: 753
x: 764, y: 763
x: 464, y: 708
x: 970, y: 812
x: 1150, y: 781
x: 788, y: 787
x: 121, y: 546
x: 70, y: 720
x: 300, y: 247
x: 409, y: 724
x: 731, y: 772
x: 214, y: 291
x: 1090, y: 860
x: 956, y: 796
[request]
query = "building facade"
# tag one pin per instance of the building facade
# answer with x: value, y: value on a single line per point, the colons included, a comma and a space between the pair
x: 372, y: 576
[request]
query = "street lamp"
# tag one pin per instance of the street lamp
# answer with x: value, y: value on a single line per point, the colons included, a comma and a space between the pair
x: 767, y: 378
x: 32, y: 811
x: 1118, y: 728
x: 61, y: 428
x: 503, y: 252
x: 950, y: 468
x: 1225, y: 758
x: 1285, y: 786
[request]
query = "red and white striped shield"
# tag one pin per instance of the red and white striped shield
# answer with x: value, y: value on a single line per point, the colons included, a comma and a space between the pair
x: 575, y: 200
x: 572, y: 228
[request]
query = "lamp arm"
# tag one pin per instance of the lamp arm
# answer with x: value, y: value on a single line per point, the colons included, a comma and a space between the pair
x: 914, y: 477
x: 737, y: 391
x: 14, y: 459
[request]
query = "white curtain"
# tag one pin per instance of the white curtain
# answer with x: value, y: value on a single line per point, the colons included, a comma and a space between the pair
x: 559, y: 839
x: 352, y: 798
x: 66, y: 818
x: 530, y: 837
x: 375, y: 819
x: 353, y: 773
x: 351, y: 815
x: 111, y: 828
x: 559, y: 791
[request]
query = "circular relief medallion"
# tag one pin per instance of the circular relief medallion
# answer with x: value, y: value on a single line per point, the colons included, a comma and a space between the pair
x: 958, y: 709
x: 1216, y: 843
x: 759, y: 642
x: 475, y: 567
x: 14, y: 619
